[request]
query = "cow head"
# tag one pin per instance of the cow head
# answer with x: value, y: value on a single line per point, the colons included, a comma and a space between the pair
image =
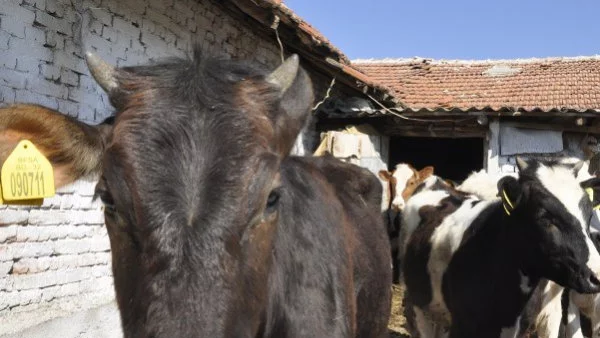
x: 551, y: 212
x: 189, y: 176
x: 403, y: 181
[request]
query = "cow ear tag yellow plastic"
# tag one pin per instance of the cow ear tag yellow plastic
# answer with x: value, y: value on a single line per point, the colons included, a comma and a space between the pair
x: 26, y: 176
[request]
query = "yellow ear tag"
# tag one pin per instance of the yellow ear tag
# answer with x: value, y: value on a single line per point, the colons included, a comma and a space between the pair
x: 26, y: 175
x: 507, y: 199
x: 590, y: 192
x: 506, y: 209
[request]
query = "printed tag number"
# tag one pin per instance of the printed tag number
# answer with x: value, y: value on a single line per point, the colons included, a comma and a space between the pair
x: 26, y: 175
x: 24, y: 184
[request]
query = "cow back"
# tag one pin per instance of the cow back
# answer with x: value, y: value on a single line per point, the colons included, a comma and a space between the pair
x: 331, y: 259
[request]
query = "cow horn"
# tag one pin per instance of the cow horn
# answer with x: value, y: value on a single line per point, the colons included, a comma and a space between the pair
x: 284, y: 75
x: 522, y: 163
x: 103, y: 73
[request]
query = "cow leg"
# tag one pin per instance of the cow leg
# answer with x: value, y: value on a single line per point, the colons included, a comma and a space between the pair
x: 587, y: 305
x: 549, y: 319
x: 425, y: 326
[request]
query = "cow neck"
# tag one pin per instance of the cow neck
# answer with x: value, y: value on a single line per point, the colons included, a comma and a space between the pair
x: 500, y: 234
x: 514, y: 249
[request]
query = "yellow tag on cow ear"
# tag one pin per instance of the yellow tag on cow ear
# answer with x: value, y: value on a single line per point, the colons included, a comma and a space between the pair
x: 26, y: 175
x: 507, y: 199
x: 590, y: 193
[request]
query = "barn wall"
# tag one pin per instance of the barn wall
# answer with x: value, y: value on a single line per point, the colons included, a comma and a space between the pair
x: 535, y: 142
x: 55, y: 259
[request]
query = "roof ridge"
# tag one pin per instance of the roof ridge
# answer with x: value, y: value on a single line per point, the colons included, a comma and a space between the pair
x: 474, y: 62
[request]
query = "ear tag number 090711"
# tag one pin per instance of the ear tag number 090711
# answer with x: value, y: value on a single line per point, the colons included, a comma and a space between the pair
x: 27, y: 176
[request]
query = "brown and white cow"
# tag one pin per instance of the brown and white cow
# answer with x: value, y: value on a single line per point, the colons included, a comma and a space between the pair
x: 471, y: 265
x: 402, y: 182
x: 215, y: 231
x: 399, y: 185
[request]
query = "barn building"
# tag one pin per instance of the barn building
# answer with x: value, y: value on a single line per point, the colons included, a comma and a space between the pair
x: 55, y: 259
x: 461, y: 116
x: 457, y: 115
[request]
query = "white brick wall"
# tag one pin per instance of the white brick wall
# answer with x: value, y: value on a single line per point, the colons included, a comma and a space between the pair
x: 57, y: 256
x: 53, y: 254
x: 42, y: 55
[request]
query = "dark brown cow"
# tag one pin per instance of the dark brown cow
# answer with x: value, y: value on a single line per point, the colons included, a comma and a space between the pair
x: 214, y: 230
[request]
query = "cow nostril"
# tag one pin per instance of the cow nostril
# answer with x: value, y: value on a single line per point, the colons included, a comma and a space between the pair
x: 594, y: 281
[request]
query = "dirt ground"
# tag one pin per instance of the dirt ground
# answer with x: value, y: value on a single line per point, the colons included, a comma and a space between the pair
x: 397, y: 320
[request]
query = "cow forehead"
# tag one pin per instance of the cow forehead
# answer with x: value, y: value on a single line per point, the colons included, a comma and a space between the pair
x: 563, y: 185
x: 403, y: 173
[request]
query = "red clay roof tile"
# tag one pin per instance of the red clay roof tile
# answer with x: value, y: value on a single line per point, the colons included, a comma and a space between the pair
x: 529, y: 84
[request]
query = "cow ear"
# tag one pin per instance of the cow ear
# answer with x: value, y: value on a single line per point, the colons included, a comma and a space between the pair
x: 73, y: 148
x: 510, y: 192
x: 296, y: 101
x: 384, y: 175
x: 592, y: 188
x: 425, y: 172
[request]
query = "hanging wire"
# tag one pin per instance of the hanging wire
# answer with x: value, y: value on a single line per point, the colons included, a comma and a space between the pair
x: 275, y: 26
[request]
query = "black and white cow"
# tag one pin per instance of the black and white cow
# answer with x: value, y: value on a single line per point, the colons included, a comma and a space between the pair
x: 470, y: 265
x: 551, y: 312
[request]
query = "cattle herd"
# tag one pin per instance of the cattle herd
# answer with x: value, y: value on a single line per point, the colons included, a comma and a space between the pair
x: 216, y: 231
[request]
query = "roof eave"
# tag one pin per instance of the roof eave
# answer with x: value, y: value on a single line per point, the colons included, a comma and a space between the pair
x: 299, y: 37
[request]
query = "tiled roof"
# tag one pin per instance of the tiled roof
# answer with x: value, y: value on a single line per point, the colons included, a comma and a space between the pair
x: 300, y: 37
x: 552, y: 84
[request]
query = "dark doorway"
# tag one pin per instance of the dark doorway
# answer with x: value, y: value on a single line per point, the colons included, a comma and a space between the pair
x: 452, y: 158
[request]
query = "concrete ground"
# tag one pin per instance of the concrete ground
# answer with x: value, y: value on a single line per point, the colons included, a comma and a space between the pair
x: 98, y: 322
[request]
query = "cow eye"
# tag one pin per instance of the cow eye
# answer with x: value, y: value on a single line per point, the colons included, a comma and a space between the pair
x: 105, y: 197
x: 272, y: 201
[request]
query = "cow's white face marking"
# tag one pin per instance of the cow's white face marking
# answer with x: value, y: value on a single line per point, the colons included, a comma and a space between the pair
x: 402, y: 174
x: 561, y: 182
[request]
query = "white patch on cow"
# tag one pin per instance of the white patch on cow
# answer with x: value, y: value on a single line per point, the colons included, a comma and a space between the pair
x: 561, y: 182
x: 589, y: 305
x: 402, y: 174
x: 445, y: 240
x: 429, y: 182
x: 548, y: 320
x: 511, y: 332
x: 483, y: 184
x: 573, y: 329
x: 410, y: 215
x: 524, y: 284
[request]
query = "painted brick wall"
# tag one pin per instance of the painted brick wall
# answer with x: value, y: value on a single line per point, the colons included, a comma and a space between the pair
x: 56, y: 258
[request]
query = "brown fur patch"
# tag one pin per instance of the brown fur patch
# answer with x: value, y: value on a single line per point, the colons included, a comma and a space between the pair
x: 73, y: 148
x: 417, y: 178
x: 254, y: 97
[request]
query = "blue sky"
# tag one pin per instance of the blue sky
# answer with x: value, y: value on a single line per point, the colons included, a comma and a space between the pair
x: 456, y: 29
